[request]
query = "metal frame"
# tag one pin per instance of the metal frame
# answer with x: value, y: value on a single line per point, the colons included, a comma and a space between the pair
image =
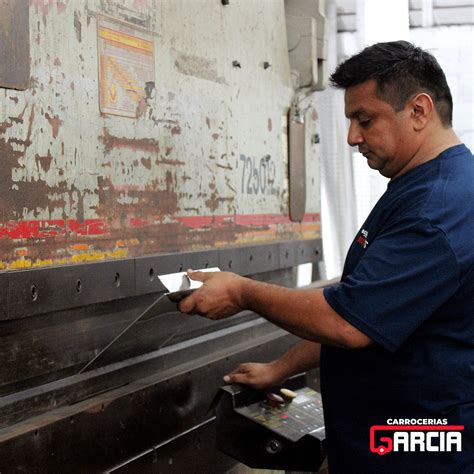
x: 27, y: 293
x: 158, y: 404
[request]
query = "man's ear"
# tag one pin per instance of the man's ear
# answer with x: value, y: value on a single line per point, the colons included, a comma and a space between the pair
x: 422, y: 110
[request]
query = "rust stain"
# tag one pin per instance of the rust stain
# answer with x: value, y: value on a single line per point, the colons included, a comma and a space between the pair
x: 55, y: 123
x: 227, y: 182
x: 44, y: 161
x: 146, y: 162
x: 169, y: 149
x: 215, y: 201
x: 61, y: 7
x: 57, y: 62
x: 141, y: 108
x: 270, y: 125
x: 144, y: 144
x: 165, y: 121
x: 140, y: 3
x: 150, y: 202
x: 314, y: 115
x: 123, y: 239
x: 165, y: 161
x: 78, y: 26
x: 176, y: 130
x: 42, y: 6
x: 226, y: 167
x: 11, y: 150
x: 215, y: 136
x: 208, y: 123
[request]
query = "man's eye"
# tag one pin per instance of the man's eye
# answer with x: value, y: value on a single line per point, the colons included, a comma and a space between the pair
x: 365, y: 122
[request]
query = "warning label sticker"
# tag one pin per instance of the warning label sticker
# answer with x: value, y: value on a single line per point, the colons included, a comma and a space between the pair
x: 126, y: 68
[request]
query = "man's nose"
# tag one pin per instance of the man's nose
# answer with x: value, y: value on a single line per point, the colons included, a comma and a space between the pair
x: 354, y: 137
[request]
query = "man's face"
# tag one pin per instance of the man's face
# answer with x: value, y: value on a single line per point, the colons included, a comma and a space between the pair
x: 383, y: 136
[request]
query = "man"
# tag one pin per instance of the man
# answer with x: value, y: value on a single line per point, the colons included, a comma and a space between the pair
x: 396, y: 336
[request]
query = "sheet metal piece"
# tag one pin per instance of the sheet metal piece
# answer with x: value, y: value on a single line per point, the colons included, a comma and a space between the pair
x: 147, y: 268
x: 179, y: 285
x: 116, y: 338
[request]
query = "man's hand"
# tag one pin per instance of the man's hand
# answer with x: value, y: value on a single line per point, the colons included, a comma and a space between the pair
x: 300, y: 358
x: 220, y: 296
x: 256, y: 375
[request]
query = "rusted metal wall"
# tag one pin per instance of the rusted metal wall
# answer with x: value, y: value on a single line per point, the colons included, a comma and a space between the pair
x: 199, y: 162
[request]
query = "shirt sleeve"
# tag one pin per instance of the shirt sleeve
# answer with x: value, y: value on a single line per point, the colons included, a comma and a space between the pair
x: 407, y: 272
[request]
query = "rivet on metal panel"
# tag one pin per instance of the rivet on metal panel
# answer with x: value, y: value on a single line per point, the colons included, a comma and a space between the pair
x: 269, y: 255
x: 315, y: 139
x: 117, y: 279
x: 287, y: 254
x: 225, y: 2
x: 251, y: 257
x: 34, y: 293
x: 266, y: 65
x: 78, y: 285
x: 151, y: 273
x: 180, y: 268
x: 230, y: 264
x: 206, y: 265
x: 236, y: 64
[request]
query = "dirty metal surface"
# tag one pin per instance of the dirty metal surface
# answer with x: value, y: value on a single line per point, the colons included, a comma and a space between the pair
x: 14, y: 44
x: 35, y: 291
x: 202, y: 163
x: 136, y: 416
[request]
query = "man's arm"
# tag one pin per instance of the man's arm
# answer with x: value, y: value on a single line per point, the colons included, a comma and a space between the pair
x: 304, y: 312
x: 300, y: 358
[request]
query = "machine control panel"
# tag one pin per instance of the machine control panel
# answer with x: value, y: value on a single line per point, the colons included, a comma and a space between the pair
x: 281, y: 429
x: 291, y: 419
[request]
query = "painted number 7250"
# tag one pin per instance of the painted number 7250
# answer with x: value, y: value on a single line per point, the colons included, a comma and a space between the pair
x: 258, y: 177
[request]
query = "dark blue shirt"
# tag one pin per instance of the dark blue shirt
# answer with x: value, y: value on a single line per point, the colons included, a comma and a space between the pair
x: 408, y: 283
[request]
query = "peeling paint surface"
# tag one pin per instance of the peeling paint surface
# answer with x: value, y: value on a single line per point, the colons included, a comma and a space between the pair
x: 203, y: 164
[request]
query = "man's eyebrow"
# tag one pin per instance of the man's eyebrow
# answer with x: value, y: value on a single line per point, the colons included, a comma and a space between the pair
x: 357, y: 113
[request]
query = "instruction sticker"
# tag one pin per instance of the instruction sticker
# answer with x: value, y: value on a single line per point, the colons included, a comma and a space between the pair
x: 126, y: 68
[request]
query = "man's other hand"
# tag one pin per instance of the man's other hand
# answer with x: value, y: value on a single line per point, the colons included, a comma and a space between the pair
x: 220, y: 296
x: 256, y: 375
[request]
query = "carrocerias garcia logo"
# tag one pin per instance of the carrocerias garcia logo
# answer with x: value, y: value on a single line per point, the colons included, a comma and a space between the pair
x: 415, y: 435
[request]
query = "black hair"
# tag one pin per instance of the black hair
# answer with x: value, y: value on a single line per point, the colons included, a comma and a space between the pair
x: 401, y: 70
